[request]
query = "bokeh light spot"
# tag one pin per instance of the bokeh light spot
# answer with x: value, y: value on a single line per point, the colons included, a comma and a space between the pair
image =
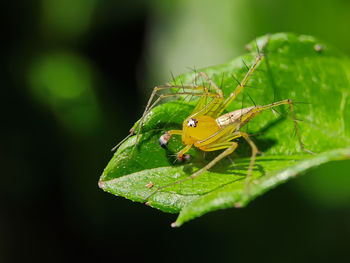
x: 64, y: 83
x: 65, y: 76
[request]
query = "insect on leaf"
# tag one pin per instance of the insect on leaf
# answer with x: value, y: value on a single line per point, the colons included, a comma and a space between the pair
x: 317, y: 80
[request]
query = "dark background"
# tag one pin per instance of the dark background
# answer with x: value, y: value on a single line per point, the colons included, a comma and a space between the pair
x: 75, y: 76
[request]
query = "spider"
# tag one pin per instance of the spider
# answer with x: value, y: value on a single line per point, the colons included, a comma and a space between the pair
x: 207, y: 128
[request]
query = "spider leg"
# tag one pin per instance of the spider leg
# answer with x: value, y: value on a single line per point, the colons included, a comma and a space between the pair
x: 203, y: 108
x: 256, y: 110
x: 161, y: 97
x: 181, y: 154
x: 217, y: 146
x: 222, y: 142
x: 229, y: 149
x: 291, y: 106
x: 218, y: 104
x: 151, y: 105
x: 205, y: 76
x: 212, y: 83
x: 164, y: 139
x: 242, y: 84
x: 252, y: 158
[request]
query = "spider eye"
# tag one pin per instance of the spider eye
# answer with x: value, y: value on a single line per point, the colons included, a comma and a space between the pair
x: 192, y: 123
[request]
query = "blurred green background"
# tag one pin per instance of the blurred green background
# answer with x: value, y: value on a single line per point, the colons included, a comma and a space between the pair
x: 77, y: 74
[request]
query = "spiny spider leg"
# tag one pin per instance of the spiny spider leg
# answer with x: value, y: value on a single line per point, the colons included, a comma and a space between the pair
x: 158, y: 88
x: 161, y: 97
x: 151, y: 105
x: 258, y: 109
x: 240, y: 86
x: 230, y: 147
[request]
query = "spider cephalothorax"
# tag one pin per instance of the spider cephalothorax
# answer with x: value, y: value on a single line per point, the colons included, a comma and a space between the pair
x: 197, y: 129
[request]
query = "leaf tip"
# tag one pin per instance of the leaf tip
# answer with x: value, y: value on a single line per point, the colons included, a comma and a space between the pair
x: 174, y: 225
x: 101, y: 184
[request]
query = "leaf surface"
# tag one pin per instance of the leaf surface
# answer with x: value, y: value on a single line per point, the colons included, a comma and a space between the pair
x: 294, y: 68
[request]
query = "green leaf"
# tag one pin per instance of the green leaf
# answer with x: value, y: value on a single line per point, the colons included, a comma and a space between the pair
x: 311, y: 73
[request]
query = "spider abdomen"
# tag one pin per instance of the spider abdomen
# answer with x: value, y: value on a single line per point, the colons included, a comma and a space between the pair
x: 231, y: 117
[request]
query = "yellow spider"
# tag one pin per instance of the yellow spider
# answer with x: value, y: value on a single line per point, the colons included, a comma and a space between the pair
x: 207, y: 129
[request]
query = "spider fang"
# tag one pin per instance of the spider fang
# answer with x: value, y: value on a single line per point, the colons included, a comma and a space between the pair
x: 184, y: 157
